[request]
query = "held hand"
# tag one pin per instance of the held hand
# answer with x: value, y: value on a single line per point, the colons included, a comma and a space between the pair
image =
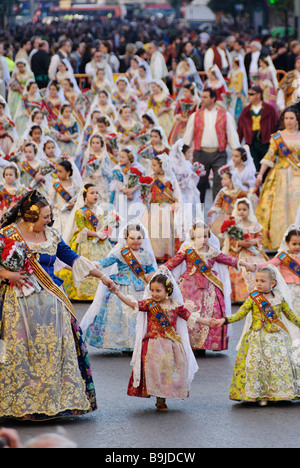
x: 19, y: 279
x: 217, y: 323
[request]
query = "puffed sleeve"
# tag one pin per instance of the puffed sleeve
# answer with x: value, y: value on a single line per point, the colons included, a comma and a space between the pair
x: 270, y: 156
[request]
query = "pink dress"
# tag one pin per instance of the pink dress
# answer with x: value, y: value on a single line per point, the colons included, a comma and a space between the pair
x: 207, y: 297
x: 164, y: 371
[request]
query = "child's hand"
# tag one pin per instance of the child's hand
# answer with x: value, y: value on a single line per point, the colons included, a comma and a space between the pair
x: 217, y: 323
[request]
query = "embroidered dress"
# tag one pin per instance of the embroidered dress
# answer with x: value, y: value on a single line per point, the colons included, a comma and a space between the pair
x: 165, y: 119
x: 44, y: 347
x: 164, y: 371
x: 59, y: 199
x: 280, y: 194
x: 85, y: 246
x: 114, y: 325
x: 264, y: 369
x: 209, y: 298
x: 183, y: 108
x: 9, y: 196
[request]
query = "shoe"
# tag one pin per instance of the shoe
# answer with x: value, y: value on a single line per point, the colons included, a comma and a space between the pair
x: 263, y: 403
x: 161, y: 406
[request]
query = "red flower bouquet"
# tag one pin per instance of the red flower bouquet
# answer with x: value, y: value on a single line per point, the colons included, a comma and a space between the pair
x: 134, y: 175
x: 145, y: 183
x: 232, y: 230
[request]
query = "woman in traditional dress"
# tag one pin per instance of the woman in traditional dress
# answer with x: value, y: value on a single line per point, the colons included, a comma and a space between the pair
x: 280, y: 194
x: 11, y: 190
x: 127, y: 127
x: 52, y: 102
x: 100, y: 82
x: 31, y: 99
x: 267, y: 80
x: 87, y: 234
x: 104, y: 103
x: 162, y: 104
x: 238, y: 87
x: 158, y: 145
x: 8, y: 132
x: 123, y: 94
x: 216, y: 81
x: 35, y: 171
x: 51, y: 361
x: 20, y: 75
x: 109, y: 324
x: 186, y: 74
x: 186, y: 104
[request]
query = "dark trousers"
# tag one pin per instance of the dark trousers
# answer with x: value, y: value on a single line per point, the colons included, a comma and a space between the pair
x: 210, y: 161
x: 258, y: 151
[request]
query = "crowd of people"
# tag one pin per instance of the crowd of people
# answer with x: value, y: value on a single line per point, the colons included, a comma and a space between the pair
x: 103, y: 198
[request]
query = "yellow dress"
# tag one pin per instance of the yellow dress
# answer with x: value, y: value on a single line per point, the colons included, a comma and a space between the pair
x: 280, y: 195
x: 84, y: 246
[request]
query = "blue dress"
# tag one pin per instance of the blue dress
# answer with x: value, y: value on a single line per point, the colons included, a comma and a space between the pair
x: 44, y: 370
x: 113, y: 327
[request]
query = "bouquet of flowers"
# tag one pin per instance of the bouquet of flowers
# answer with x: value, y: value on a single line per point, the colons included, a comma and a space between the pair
x: 12, y: 157
x: 47, y: 167
x: 146, y: 152
x: 110, y: 220
x: 227, y: 99
x: 93, y: 164
x: 199, y: 169
x: 145, y: 184
x: 7, y: 125
x: 143, y: 138
x: 112, y: 141
x: 133, y: 178
x: 13, y: 258
x: 232, y: 229
x: 186, y: 106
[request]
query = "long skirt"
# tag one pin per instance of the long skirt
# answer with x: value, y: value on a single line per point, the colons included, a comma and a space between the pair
x: 44, y: 367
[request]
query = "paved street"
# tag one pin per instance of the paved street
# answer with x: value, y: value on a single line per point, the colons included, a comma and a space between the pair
x: 208, y: 419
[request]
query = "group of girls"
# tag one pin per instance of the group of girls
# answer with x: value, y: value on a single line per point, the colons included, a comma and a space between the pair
x: 113, y: 167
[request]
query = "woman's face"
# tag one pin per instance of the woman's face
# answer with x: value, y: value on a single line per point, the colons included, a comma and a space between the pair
x: 126, y: 113
x: 134, y: 240
x: 44, y: 219
x: 155, y: 138
x: 290, y: 121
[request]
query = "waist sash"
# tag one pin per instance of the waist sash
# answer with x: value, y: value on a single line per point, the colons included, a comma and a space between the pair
x: 289, y: 262
x: 5, y: 195
x: 157, y: 311
x: 163, y: 188
x: 43, y: 277
x: 133, y: 264
x: 62, y: 192
x: 203, y: 268
x: 285, y: 151
x: 267, y: 310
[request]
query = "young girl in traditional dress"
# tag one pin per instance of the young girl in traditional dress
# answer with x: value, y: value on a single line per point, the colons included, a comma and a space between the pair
x: 8, y: 133
x: 97, y: 167
x: 68, y: 129
x: 245, y: 246
x: 201, y: 271
x: 287, y: 261
x: 11, y: 191
x: 127, y: 127
x: 267, y: 367
x: 164, y: 220
x: 186, y: 104
x: 20, y: 75
x: 163, y: 363
x: 243, y: 168
x: 85, y: 236
x: 31, y: 99
x: 30, y: 173
x: 52, y: 102
x: 223, y: 205
x: 63, y: 195
x: 125, y: 187
x: 158, y: 145
x: 109, y: 324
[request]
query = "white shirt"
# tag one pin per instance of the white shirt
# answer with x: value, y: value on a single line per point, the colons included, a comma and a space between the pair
x: 5, y: 70
x: 209, y: 137
x: 158, y: 66
x: 209, y: 59
x: 53, y: 67
x: 254, y: 63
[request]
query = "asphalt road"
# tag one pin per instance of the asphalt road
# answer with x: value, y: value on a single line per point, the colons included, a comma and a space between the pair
x: 207, y: 419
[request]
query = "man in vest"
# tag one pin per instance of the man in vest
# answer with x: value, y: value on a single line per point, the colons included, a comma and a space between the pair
x: 211, y: 129
x: 218, y: 55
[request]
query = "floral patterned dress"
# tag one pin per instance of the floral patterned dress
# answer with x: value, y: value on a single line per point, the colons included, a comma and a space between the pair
x: 264, y: 369
x: 207, y: 297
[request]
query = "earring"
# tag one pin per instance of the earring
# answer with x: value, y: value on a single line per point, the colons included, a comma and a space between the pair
x: 31, y: 227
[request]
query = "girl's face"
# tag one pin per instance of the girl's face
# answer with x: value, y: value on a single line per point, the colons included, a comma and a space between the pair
x: 243, y: 210
x: 67, y: 112
x: 126, y: 113
x: 44, y: 219
x: 62, y: 173
x: 50, y: 149
x: 96, y: 144
x: 264, y: 282
x: 236, y: 158
x: 92, y: 195
x: 134, y: 240
x: 33, y: 88
x: 123, y: 158
x: 66, y: 85
x: 53, y: 91
x: 142, y: 72
x: 38, y: 118
x: 201, y: 237
x: 294, y: 245
x: 36, y: 135
x: 155, y: 89
x: 95, y: 117
x: 62, y: 67
x: 102, y: 99
x: 29, y: 153
x: 100, y: 75
x: 9, y: 176
x: 102, y: 127
x: 21, y: 67
x: 158, y: 292
x: 146, y: 122
x: 186, y: 93
x: 155, y: 138
x: 226, y: 180
x: 121, y: 86
x: 157, y: 169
